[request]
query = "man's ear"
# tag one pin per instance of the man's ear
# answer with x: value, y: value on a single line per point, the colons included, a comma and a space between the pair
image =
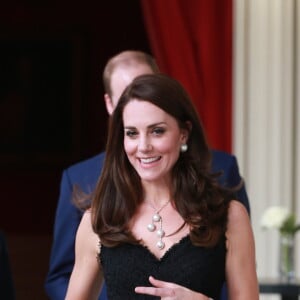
x: 108, y: 104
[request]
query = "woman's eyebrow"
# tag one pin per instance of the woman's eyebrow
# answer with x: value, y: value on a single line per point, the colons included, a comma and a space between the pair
x: 149, y: 126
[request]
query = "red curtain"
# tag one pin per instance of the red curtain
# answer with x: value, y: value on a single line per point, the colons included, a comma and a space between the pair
x: 192, y: 42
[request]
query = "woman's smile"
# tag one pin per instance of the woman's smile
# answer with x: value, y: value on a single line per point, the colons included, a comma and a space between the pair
x: 150, y: 160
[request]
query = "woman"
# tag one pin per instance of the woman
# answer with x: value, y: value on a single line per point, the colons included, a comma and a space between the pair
x: 159, y: 224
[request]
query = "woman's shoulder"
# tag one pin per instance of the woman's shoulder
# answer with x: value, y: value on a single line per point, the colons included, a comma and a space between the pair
x: 85, y: 233
x: 237, y: 213
x: 236, y: 207
x: 86, y: 220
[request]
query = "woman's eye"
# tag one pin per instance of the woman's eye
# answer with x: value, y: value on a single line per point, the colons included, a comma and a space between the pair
x: 158, y: 131
x: 130, y: 133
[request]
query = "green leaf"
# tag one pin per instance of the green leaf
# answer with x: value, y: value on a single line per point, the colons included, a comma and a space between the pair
x: 289, y: 225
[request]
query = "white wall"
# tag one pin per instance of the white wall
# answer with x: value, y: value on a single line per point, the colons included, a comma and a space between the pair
x: 266, y: 130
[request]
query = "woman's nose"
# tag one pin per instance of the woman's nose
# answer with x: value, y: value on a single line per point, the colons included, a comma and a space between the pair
x: 144, y: 144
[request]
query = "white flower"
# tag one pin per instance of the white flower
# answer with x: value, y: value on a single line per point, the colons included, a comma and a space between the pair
x: 274, y: 217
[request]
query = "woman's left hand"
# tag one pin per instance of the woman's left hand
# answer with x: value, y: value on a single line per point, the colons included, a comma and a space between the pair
x: 169, y: 291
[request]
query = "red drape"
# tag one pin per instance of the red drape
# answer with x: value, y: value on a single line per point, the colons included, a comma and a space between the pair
x: 192, y: 42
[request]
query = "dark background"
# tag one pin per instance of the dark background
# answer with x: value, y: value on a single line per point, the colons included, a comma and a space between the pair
x: 52, y: 112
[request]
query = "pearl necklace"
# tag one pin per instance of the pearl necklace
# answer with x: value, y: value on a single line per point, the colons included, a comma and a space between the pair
x: 151, y: 226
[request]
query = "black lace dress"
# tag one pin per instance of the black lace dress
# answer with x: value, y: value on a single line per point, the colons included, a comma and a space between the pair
x: 197, y: 268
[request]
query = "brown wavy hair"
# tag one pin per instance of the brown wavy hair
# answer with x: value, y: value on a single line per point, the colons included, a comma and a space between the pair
x: 201, y: 202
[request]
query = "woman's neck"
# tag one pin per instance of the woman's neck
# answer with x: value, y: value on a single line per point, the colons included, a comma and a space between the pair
x: 157, y: 194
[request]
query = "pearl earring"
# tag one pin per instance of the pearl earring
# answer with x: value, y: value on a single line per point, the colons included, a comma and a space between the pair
x: 183, y: 148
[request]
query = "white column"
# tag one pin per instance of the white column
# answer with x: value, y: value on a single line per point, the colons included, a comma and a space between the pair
x: 297, y: 131
x: 264, y: 113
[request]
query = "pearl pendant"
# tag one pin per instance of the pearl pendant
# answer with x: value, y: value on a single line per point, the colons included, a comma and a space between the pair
x: 151, y: 227
x: 160, y: 244
x: 160, y: 233
x: 156, y: 218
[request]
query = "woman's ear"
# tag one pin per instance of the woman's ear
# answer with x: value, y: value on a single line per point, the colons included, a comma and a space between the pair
x: 189, y: 125
x: 187, y: 131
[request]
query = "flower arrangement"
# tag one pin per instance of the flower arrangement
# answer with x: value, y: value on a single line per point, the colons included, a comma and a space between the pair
x: 277, y: 217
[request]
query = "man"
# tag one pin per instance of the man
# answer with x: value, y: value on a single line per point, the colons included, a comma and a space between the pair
x: 118, y: 73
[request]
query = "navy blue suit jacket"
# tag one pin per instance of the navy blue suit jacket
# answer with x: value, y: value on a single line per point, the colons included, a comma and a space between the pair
x: 85, y: 174
x: 7, y: 291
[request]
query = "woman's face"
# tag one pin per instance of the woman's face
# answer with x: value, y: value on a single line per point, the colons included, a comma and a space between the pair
x: 152, y: 140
